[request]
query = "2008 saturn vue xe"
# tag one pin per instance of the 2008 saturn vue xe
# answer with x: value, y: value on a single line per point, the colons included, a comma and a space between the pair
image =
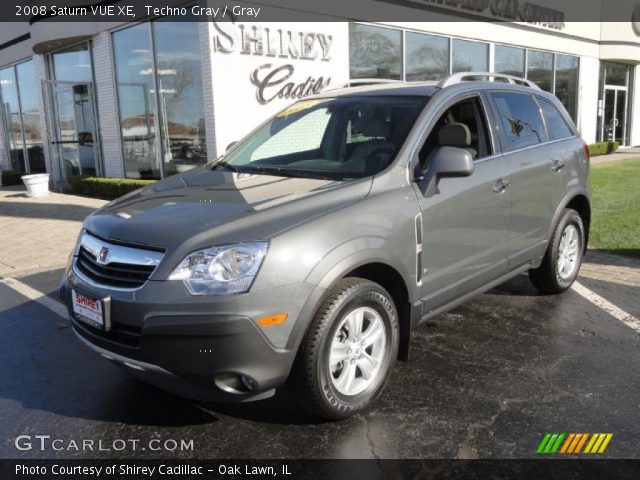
x: 308, y: 252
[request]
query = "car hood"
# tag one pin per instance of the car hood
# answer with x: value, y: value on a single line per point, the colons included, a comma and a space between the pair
x: 204, y: 206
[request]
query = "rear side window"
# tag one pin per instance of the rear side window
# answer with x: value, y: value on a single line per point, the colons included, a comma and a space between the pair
x: 520, y: 119
x: 557, y: 127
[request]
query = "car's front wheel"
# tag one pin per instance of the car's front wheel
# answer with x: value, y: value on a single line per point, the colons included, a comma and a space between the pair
x: 562, y: 260
x: 349, y: 350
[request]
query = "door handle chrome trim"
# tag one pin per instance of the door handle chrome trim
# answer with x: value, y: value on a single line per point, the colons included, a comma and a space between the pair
x: 557, y: 165
x: 500, y: 186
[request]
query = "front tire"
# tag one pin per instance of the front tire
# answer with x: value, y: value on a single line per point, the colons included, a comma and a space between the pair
x: 563, y: 257
x: 349, y: 351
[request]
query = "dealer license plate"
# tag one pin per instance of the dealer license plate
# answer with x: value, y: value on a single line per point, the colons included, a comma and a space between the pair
x: 88, y: 309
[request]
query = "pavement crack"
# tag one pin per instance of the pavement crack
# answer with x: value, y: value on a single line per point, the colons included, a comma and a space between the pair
x: 466, y: 449
x: 367, y: 432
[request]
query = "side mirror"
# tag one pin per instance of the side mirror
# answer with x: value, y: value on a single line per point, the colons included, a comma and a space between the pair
x: 446, y: 162
x: 230, y: 146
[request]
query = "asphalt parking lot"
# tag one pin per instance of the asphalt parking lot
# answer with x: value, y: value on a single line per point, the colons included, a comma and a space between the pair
x: 486, y: 380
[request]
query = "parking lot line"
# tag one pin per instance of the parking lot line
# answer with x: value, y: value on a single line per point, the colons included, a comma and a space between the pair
x: 36, y: 296
x: 616, y: 312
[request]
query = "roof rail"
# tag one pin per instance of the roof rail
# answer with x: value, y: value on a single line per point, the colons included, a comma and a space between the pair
x: 360, y: 82
x: 460, y: 76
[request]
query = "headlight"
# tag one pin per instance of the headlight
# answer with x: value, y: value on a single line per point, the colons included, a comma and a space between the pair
x: 221, y: 270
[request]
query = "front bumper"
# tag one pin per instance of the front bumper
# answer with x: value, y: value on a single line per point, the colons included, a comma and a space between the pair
x: 198, y: 347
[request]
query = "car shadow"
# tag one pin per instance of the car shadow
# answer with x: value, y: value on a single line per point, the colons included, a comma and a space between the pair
x: 281, y: 409
x: 519, y: 286
x: 45, y: 368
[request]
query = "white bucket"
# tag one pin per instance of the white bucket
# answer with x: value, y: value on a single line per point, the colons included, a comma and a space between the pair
x: 37, y: 184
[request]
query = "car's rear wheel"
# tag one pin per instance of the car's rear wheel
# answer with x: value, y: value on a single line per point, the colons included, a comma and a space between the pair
x: 563, y: 257
x: 349, y: 350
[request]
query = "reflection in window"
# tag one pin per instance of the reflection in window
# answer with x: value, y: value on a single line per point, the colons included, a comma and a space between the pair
x: 173, y: 63
x: 73, y: 64
x: 520, y: 119
x: 28, y: 88
x: 12, y: 120
x: 136, y: 98
x: 470, y: 56
x: 19, y: 93
x: 616, y: 74
x: 540, y: 69
x: 557, y: 127
x: 375, y: 52
x: 179, y: 78
x: 427, y: 57
x: 567, y: 82
x: 509, y: 60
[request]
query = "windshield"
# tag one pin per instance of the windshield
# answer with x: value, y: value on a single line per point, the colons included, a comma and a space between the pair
x: 338, y: 138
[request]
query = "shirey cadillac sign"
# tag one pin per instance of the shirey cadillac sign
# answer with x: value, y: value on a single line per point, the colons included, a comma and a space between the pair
x: 260, y: 68
x: 274, y: 80
x: 506, y: 10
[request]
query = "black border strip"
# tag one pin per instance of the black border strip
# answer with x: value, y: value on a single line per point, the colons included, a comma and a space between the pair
x: 15, y: 41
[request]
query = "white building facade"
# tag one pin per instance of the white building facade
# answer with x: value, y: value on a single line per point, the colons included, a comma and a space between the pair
x: 158, y: 97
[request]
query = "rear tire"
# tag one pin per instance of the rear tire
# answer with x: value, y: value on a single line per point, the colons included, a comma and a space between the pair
x: 561, y: 262
x: 349, y: 351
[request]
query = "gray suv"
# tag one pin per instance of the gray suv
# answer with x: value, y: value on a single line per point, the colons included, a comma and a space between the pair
x: 308, y: 252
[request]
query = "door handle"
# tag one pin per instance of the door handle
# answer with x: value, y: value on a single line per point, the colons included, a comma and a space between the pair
x: 500, y: 186
x: 557, y: 165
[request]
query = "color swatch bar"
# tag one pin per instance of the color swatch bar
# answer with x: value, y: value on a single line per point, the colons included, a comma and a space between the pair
x: 573, y: 443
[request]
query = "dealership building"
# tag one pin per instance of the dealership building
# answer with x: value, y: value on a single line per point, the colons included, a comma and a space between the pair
x: 162, y: 95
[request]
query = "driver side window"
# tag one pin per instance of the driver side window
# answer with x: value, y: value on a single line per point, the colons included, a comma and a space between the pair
x: 462, y: 125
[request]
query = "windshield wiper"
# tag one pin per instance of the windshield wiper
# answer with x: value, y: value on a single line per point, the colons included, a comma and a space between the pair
x: 226, y: 165
x: 287, y: 172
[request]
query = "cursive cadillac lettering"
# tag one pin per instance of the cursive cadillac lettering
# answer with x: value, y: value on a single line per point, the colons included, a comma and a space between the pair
x: 270, y: 84
x: 276, y: 81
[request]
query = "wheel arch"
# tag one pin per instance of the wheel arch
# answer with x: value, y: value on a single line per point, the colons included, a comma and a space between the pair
x: 577, y: 200
x: 390, y: 279
x: 581, y: 204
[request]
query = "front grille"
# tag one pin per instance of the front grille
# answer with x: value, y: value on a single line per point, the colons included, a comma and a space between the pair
x: 113, y: 274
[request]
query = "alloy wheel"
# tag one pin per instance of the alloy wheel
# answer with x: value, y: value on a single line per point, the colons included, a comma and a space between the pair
x: 357, y: 351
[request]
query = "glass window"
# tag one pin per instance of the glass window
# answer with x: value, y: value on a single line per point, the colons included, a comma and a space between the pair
x: 29, y: 103
x: 73, y: 64
x: 520, y: 119
x: 426, y: 57
x: 173, y: 63
x: 567, y: 82
x: 509, y: 60
x: 467, y: 114
x: 284, y: 146
x: 540, y: 69
x: 179, y: 77
x: 375, y: 52
x: 615, y: 74
x: 470, y: 56
x: 136, y: 97
x: 305, y: 135
x: 12, y: 119
x: 557, y: 127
